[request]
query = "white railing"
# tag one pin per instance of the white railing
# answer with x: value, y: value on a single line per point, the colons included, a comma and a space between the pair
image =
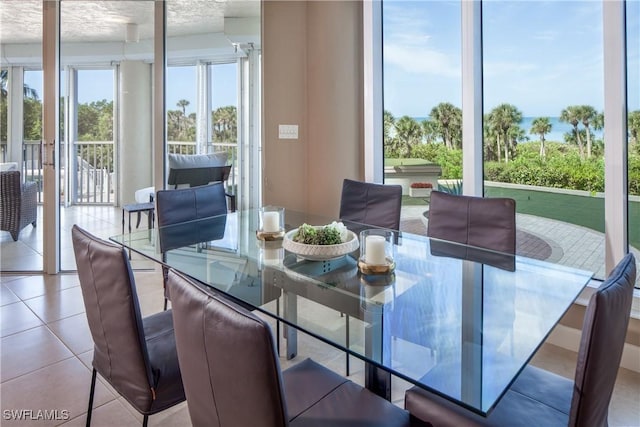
x: 94, y: 178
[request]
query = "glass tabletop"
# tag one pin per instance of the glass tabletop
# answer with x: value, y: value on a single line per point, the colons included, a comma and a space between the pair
x: 457, y: 320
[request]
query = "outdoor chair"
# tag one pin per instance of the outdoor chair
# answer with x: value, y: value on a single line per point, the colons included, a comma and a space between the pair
x: 539, y: 397
x: 488, y: 223
x: 18, y: 203
x: 232, y: 377
x: 136, y: 356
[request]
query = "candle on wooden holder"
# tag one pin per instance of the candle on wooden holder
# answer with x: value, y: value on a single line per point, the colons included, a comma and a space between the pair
x: 375, y: 250
x: 271, y: 221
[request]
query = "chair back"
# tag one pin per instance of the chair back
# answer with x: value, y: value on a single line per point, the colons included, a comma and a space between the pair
x: 192, y: 170
x: 603, y: 336
x: 488, y: 223
x: 227, y: 357
x: 373, y: 204
x: 189, y: 204
x: 111, y: 304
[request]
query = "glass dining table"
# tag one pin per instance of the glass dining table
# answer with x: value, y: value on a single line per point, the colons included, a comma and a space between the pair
x: 459, y: 321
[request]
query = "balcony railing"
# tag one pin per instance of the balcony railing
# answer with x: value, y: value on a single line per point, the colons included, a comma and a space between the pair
x: 94, y: 179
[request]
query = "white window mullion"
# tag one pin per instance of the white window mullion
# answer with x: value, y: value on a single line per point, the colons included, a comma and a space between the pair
x: 373, y: 91
x: 15, y: 116
x: 615, y: 133
x: 50, y: 138
x: 203, y: 107
x: 472, y: 135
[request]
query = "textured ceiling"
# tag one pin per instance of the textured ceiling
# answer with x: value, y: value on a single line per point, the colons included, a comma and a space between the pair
x: 102, y: 20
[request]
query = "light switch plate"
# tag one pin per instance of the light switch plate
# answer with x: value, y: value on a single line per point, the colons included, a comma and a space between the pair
x: 288, y: 131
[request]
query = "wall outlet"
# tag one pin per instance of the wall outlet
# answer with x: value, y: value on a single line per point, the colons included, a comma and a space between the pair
x: 288, y: 131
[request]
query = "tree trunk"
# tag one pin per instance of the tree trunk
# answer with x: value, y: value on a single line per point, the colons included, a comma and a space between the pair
x: 579, y: 140
x: 499, y: 148
x: 588, y: 142
x: 542, y: 150
x: 506, y: 148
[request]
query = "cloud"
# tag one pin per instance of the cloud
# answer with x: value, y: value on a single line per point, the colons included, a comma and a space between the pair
x: 420, y: 59
x: 547, y: 35
x: 514, y: 68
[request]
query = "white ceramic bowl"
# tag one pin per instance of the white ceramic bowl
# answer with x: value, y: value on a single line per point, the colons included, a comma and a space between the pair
x: 320, y: 252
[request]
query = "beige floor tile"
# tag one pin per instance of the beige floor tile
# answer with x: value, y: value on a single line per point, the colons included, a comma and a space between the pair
x: 8, y: 277
x: 110, y: 414
x: 6, y: 296
x: 17, y: 317
x: 30, y: 350
x: 61, y: 386
x: 74, y: 333
x: 57, y: 305
x: 37, y: 285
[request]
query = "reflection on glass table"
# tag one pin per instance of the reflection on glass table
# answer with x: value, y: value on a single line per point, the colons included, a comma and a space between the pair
x: 457, y: 320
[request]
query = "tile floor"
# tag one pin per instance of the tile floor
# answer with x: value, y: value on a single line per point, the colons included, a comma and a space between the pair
x: 46, y: 352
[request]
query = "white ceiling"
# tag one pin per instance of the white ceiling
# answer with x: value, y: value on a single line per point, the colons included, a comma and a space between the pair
x: 105, y: 20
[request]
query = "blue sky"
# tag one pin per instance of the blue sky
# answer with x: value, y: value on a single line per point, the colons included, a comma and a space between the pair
x: 538, y: 55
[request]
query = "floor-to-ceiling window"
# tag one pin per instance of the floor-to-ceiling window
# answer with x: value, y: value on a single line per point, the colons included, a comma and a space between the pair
x: 543, y: 119
x: 543, y: 97
x: 633, y: 120
x: 105, y: 148
x: 422, y: 97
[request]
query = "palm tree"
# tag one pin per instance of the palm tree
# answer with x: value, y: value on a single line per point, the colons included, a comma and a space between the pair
x: 388, y: 121
x: 449, y: 120
x: 429, y: 131
x: 27, y: 91
x: 225, y: 124
x: 183, y: 103
x: 587, y: 115
x: 633, y: 125
x: 503, y: 118
x: 408, y: 134
x: 541, y: 126
x: 572, y: 115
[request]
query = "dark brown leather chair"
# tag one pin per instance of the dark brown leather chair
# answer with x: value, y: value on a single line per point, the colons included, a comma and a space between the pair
x: 205, y: 203
x: 488, y: 223
x: 232, y: 376
x: 136, y: 355
x: 538, y: 397
x: 372, y: 204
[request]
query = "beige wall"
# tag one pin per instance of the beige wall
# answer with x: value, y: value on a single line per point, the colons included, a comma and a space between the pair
x: 312, y: 77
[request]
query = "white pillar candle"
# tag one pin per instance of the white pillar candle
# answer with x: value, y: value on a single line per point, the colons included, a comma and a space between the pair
x: 374, y: 250
x: 270, y: 222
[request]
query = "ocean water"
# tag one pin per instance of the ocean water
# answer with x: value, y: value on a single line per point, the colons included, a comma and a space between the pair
x: 558, y: 129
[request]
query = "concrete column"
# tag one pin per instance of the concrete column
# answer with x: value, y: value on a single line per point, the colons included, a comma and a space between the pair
x: 135, y: 153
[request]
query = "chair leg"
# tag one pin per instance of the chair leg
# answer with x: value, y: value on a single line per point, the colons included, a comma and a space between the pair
x: 93, y: 388
x: 347, y: 343
x: 165, y: 303
x: 145, y: 420
x: 278, y: 326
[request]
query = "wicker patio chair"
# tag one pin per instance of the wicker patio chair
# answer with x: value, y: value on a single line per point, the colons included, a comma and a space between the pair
x: 18, y: 203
